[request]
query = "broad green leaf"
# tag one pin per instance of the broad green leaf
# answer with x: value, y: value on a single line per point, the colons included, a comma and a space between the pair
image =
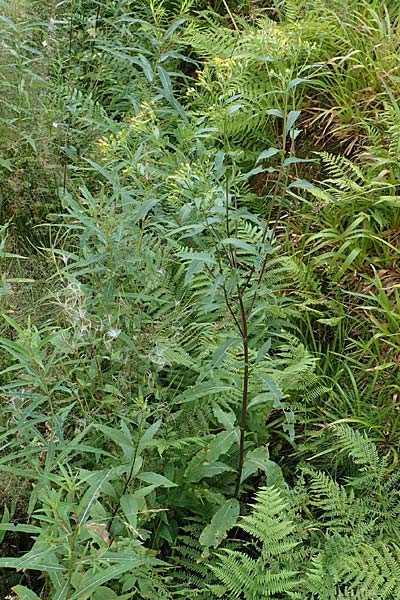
x: 223, y: 520
x: 144, y: 491
x: 174, y: 27
x: 130, y: 506
x: 116, y: 435
x: 263, y: 350
x: 258, y: 460
x: 156, y: 479
x: 24, y: 593
x: 267, y: 154
x: 200, y: 256
x: 275, y: 112
x: 297, y: 81
x: 207, y: 470
x: 294, y: 133
x: 195, y: 267
x: 271, y: 386
x: 219, y: 163
x: 221, y: 443
x: 321, y: 194
x: 239, y: 244
x: 39, y: 558
x: 302, y: 184
x: 292, y: 117
x: 234, y: 108
x: 148, y: 435
x: 91, y: 496
x: 71, y: 152
x: 251, y: 173
x: 205, y: 388
x: 293, y: 160
x: 261, y: 398
x: 146, y: 66
x: 129, y: 451
x: 144, y: 209
x: 290, y: 421
x: 89, y: 583
x: 227, y: 419
x: 105, y: 593
x: 220, y: 352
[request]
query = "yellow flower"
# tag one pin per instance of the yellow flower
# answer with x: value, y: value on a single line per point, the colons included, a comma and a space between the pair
x: 104, y: 145
x: 224, y: 64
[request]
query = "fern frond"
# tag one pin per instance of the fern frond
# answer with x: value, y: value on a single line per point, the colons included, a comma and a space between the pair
x: 343, y: 172
x: 338, y: 508
x: 192, y: 572
x: 375, y: 570
x: 361, y: 449
x: 254, y: 77
x: 319, y: 581
x: 244, y: 577
x: 269, y: 519
x: 271, y: 522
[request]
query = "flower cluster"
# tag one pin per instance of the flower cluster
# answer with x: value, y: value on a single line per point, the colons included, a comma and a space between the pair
x: 221, y: 63
x: 133, y: 124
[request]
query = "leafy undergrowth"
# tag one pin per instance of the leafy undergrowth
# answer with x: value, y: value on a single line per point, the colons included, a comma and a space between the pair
x: 200, y: 300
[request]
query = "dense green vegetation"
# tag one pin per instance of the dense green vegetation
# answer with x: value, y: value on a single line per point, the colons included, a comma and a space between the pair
x: 199, y: 344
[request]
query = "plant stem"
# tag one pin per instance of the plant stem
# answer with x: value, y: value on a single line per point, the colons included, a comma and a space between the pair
x: 230, y: 14
x: 245, y: 390
x: 129, y: 478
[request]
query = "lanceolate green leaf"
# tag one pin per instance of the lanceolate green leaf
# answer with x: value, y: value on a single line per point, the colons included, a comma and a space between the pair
x: 24, y: 593
x: 258, y: 460
x: 223, y: 520
x: 38, y: 559
x: 130, y: 506
x: 219, y: 354
x: 292, y: 117
x: 145, y: 208
x: 221, y: 443
x: 297, y: 81
x: 205, y: 470
x: 91, y: 496
x: 227, y: 419
x: 90, y: 583
x: 202, y: 389
x: 156, y: 479
x: 168, y: 90
x: 62, y: 587
x: 21, y: 528
x: 267, y: 154
x: 174, y: 27
x: 205, y: 463
x: 242, y: 245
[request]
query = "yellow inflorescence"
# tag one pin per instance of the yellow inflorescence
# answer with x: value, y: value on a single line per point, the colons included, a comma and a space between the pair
x: 110, y: 143
x: 186, y: 177
x: 104, y: 145
x: 223, y: 64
